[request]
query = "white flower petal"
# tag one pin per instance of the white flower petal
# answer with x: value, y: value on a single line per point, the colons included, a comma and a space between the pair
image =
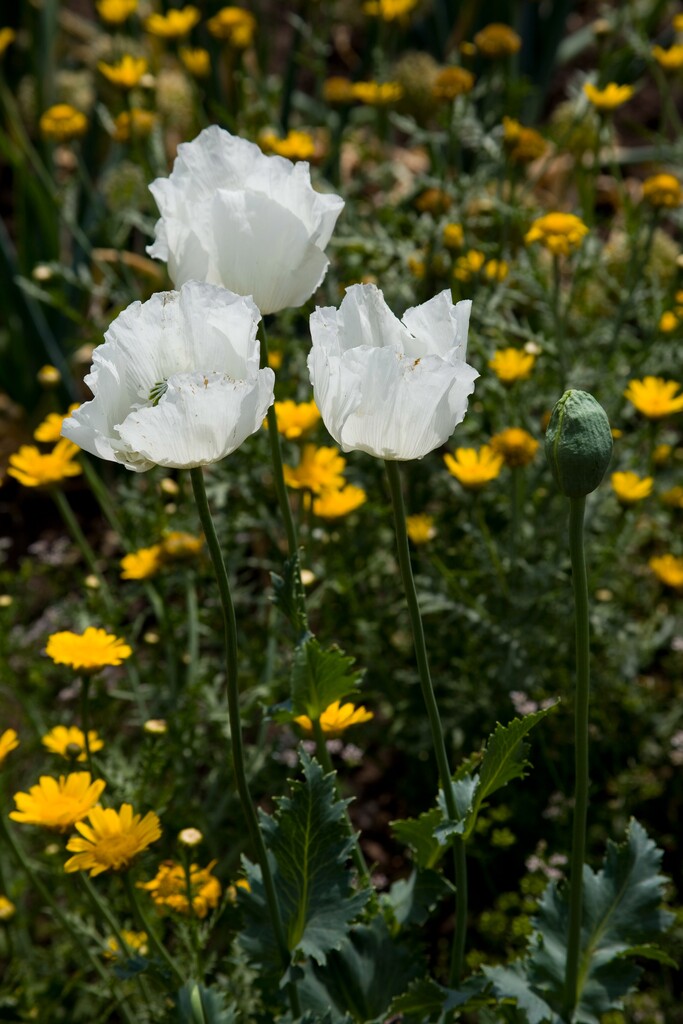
x: 438, y: 327
x: 230, y: 243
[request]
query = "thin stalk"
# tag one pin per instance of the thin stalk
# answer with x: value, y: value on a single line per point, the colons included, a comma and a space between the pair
x: 438, y: 743
x: 558, y: 322
x: 80, y: 943
x: 79, y: 537
x: 580, y: 584
x: 85, y: 720
x: 192, y: 629
x: 326, y: 761
x: 151, y: 934
x: 248, y: 809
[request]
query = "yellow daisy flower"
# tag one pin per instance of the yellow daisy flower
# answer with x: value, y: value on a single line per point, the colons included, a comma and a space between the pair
x: 420, y: 528
x: 296, y: 145
x: 655, y: 397
x: 631, y: 488
x: 32, y: 468
x: 512, y: 364
x: 91, y: 650
x: 9, y: 741
x: 179, y: 544
x: 671, y: 59
x: 62, y: 122
x: 496, y: 270
x: 668, y: 322
x: 319, y: 469
x: 338, y: 89
x: 497, y: 40
x: 58, y: 803
x: 474, y: 469
x: 50, y: 430
x: 115, y: 12
x: 7, y: 909
x: 111, y: 839
x: 127, y: 73
x: 468, y: 266
x: 169, y: 888
x: 609, y: 98
x: 69, y: 742
x: 389, y: 10
x: 559, y: 233
x: 48, y: 376
x: 135, y: 123
x: 376, y: 94
x: 452, y: 82
x: 141, y: 564
x: 668, y: 569
x: 233, y: 25
x: 453, y: 236
x: 517, y: 446
x: 523, y: 144
x: 175, y: 24
x: 197, y: 61
x: 334, y: 504
x: 296, y: 418
x: 663, y: 190
x: 137, y: 941
x: 336, y: 718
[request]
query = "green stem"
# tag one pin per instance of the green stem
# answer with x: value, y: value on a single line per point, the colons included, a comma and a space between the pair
x: 151, y: 934
x: 85, y: 720
x: 439, y: 745
x: 281, y: 488
x: 81, y: 944
x: 79, y: 537
x: 558, y: 322
x: 328, y: 768
x: 248, y: 809
x: 580, y: 584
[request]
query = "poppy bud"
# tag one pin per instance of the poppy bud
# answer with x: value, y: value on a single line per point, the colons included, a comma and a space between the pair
x: 578, y: 443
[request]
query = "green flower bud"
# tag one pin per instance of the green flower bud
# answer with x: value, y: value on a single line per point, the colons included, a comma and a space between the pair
x: 578, y: 443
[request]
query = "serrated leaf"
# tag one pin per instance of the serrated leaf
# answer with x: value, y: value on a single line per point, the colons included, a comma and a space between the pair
x: 650, y: 952
x: 426, y: 998
x: 412, y: 899
x: 320, y: 677
x: 289, y: 595
x: 504, y: 758
x: 349, y: 981
x: 309, y: 846
x: 512, y: 983
x: 621, y: 910
x: 418, y: 835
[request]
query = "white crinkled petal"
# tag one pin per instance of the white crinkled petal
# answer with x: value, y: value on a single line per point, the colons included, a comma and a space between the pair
x: 199, y: 420
x: 262, y: 249
x: 203, y: 331
x: 365, y: 319
x: 336, y: 389
x: 438, y: 327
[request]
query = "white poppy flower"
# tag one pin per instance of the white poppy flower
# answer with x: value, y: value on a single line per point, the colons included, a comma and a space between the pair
x: 252, y: 223
x: 393, y: 388
x: 176, y: 382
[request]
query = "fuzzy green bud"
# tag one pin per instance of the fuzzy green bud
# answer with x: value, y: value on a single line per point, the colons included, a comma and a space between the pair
x: 578, y: 443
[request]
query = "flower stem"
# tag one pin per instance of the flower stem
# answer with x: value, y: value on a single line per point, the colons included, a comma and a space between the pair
x: 328, y: 768
x: 580, y: 585
x: 439, y: 745
x: 236, y: 726
x: 281, y: 487
x: 151, y: 934
x: 85, y: 720
x: 74, y: 528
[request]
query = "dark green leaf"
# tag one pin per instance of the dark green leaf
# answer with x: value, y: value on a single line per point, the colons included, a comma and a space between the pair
x: 199, y: 1005
x: 418, y: 834
x: 349, y: 981
x: 511, y: 983
x: 426, y: 998
x: 412, y: 899
x: 289, y: 596
x: 320, y: 677
x: 309, y: 846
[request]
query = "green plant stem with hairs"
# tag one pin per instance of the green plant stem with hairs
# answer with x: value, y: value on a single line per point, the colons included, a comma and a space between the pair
x: 580, y: 585
x: 233, y: 695
x: 460, y: 861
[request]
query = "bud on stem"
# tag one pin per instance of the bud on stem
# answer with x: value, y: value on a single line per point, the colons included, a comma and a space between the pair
x: 578, y: 443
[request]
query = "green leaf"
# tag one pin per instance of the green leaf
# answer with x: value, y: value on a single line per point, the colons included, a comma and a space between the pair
x: 349, y: 981
x: 320, y: 677
x: 289, y: 596
x: 412, y: 899
x: 418, y: 835
x: 199, y: 1005
x: 621, y: 917
x: 426, y: 998
x: 504, y: 759
x: 308, y: 843
x: 621, y: 910
x: 511, y: 983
